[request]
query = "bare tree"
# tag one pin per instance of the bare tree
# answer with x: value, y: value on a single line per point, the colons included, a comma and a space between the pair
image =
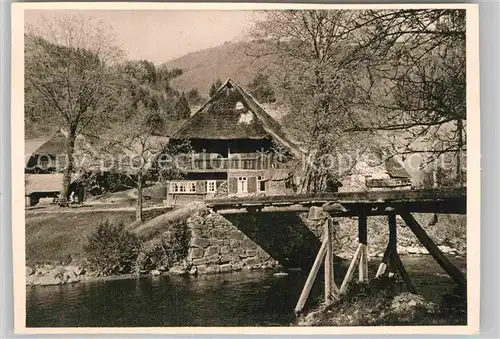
x: 319, y: 68
x: 417, y: 77
x: 68, y: 62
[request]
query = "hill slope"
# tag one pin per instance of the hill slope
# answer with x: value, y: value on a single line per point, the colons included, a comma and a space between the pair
x: 230, y: 60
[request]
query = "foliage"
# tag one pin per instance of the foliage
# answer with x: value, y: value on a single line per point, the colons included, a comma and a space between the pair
x: 194, y: 97
x: 261, y: 88
x: 110, y: 249
x: 68, y: 78
x: 215, y: 87
x: 389, y: 81
x: 182, y: 109
x: 170, y: 249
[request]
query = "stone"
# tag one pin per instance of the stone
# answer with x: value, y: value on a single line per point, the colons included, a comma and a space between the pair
x: 225, y: 268
x: 413, y: 250
x: 236, y: 267
x: 251, y: 262
x: 226, y: 258
x: 212, y: 250
x: 77, y: 270
x: 29, y: 270
x: 154, y: 272
x: 236, y: 235
x: 200, y: 242
x: 48, y: 280
x: 217, y: 234
x: 212, y: 269
x: 251, y: 253
x: 445, y: 249
x: 217, y: 242
x: 225, y: 250
x: 263, y: 255
x: 249, y: 244
x: 213, y: 259
x: 197, y: 253
x: 193, y: 270
x: 280, y: 274
x: 177, y: 270
x: 200, y: 261
x: 235, y: 243
x: 202, y: 269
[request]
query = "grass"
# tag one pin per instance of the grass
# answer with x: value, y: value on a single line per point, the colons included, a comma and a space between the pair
x: 60, y: 236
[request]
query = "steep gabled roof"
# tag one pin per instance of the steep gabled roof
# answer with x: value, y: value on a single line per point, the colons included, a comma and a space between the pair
x: 219, y: 119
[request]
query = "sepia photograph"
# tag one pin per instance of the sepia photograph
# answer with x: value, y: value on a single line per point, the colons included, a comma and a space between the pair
x: 283, y: 166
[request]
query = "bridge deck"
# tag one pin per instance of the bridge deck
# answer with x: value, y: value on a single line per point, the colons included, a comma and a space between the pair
x: 442, y: 200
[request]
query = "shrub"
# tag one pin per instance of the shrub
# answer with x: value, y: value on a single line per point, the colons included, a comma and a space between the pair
x: 170, y: 249
x: 110, y: 249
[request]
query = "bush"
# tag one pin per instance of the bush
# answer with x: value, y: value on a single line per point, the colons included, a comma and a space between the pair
x: 170, y: 249
x: 110, y: 249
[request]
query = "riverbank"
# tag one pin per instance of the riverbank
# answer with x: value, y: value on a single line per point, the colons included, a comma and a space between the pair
x: 385, y: 302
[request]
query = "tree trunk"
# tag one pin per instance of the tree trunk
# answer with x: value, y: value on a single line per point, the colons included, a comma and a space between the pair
x: 460, y: 174
x: 138, y: 210
x: 68, y: 169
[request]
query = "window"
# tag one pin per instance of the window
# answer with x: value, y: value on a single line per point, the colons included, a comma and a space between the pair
x: 183, y: 187
x: 242, y: 185
x: 211, y: 186
x: 261, y: 185
x: 191, y: 187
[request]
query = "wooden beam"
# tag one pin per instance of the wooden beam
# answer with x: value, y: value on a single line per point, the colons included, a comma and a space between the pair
x: 328, y: 262
x: 311, y: 277
x: 391, y: 196
x: 363, y: 241
x: 452, y: 270
x: 402, y: 271
x: 385, y: 262
x: 393, y: 242
x: 350, y: 270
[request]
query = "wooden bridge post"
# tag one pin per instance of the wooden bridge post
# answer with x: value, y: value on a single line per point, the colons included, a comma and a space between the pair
x: 395, y: 261
x: 393, y: 241
x: 331, y: 290
x: 311, y: 277
x: 363, y: 242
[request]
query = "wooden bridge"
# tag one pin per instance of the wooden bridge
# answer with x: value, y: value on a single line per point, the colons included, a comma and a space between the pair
x: 327, y: 206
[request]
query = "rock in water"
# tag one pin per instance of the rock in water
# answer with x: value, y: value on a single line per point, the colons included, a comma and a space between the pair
x: 280, y: 274
x: 155, y: 272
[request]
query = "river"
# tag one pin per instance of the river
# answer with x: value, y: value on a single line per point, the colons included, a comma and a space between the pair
x: 251, y: 298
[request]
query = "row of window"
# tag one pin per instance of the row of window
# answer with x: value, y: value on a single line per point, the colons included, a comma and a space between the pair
x: 190, y: 186
x: 243, y: 185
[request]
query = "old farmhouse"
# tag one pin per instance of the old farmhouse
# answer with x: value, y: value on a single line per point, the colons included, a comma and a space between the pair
x: 238, y: 150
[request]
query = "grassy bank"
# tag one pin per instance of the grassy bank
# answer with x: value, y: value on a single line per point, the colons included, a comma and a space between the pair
x: 60, y: 235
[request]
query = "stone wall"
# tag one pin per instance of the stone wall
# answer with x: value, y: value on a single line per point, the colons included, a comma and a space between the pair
x: 217, y: 246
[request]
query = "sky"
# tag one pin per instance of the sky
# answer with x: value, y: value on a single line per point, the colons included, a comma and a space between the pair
x: 162, y: 35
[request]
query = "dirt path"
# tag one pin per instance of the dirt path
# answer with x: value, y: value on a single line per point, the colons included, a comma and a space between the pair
x: 90, y: 209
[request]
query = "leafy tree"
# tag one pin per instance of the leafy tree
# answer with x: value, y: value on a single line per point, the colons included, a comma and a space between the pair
x: 261, y: 88
x: 194, y: 97
x: 215, y: 87
x: 134, y: 145
x: 182, y: 109
x: 68, y: 62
